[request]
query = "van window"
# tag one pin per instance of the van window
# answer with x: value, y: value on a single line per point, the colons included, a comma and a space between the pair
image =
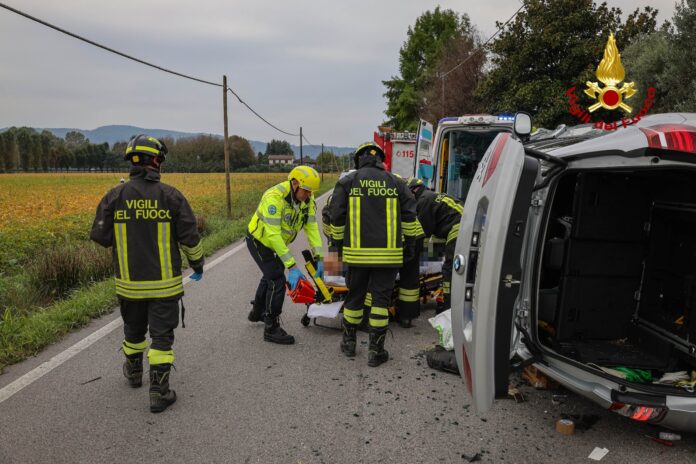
x: 465, y: 150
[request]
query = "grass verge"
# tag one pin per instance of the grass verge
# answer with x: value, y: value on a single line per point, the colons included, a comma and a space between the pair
x: 24, y: 333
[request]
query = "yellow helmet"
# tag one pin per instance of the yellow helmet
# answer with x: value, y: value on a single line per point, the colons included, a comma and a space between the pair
x: 307, y: 177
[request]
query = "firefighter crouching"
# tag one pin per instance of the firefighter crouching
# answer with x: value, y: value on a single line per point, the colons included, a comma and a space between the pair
x: 439, y: 214
x: 374, y: 224
x: 146, y: 221
x: 284, y: 210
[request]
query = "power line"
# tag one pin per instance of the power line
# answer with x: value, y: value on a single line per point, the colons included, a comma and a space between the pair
x: 305, y: 139
x: 104, y: 47
x: 481, y: 47
x: 259, y: 116
x: 138, y: 60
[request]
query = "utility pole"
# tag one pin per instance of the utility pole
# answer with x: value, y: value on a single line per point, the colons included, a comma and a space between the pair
x: 227, y: 149
x: 322, y: 162
x: 301, y: 162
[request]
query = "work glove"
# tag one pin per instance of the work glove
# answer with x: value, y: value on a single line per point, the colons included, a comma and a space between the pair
x: 320, y: 269
x: 294, y: 276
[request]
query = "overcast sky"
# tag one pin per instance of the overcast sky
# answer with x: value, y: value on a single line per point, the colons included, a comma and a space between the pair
x: 313, y: 63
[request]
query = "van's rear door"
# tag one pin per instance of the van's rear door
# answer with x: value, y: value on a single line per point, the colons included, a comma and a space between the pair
x: 424, y: 156
x: 487, y: 267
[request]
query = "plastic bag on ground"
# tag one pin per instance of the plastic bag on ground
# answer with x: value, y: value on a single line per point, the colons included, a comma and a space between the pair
x: 443, y: 324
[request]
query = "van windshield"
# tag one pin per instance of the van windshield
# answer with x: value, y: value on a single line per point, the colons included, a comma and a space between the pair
x: 463, y: 150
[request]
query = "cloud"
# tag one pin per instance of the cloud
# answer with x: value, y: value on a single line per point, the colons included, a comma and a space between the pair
x: 313, y: 63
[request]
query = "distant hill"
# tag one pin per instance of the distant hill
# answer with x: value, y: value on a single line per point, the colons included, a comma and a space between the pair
x: 119, y: 133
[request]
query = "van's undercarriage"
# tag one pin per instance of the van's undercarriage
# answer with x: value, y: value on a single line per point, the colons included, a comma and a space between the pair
x: 617, y: 284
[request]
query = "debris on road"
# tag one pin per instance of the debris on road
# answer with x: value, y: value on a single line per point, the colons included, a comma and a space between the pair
x: 538, y: 380
x: 515, y: 394
x: 661, y: 441
x: 565, y: 426
x: 670, y: 436
x: 598, y: 453
x: 91, y: 380
x: 472, y: 457
x: 583, y: 422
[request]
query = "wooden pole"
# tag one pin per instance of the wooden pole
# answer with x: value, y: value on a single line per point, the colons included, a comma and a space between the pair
x: 301, y: 161
x: 322, y: 162
x: 227, y: 149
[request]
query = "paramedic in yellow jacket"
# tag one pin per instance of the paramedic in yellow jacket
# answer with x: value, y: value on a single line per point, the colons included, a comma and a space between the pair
x: 284, y: 210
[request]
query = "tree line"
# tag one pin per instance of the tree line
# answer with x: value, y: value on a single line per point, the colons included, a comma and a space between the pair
x: 550, y: 46
x: 25, y: 149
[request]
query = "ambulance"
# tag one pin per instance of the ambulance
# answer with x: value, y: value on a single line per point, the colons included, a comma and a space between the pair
x: 447, y: 162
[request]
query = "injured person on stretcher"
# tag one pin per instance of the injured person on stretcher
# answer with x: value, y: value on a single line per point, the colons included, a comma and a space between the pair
x: 335, y: 288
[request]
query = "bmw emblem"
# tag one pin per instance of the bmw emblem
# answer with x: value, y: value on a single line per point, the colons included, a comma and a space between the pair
x: 458, y: 264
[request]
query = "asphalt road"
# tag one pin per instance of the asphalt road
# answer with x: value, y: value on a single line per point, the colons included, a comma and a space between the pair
x: 243, y: 400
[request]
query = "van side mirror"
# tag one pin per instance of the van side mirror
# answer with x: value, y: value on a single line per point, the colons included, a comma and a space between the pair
x: 523, y: 124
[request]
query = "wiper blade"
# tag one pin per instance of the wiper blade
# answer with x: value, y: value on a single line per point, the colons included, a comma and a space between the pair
x: 538, y: 154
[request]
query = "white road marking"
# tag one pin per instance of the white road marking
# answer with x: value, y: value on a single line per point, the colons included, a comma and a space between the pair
x: 30, y: 377
x: 35, y: 374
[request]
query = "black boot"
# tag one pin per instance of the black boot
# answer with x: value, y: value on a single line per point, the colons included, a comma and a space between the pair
x: 274, y: 333
x: 349, y: 339
x: 133, y: 369
x: 256, y: 313
x: 405, y: 323
x: 161, y: 396
x: 377, y: 354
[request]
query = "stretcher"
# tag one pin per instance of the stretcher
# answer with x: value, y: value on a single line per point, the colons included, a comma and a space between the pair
x: 317, y: 290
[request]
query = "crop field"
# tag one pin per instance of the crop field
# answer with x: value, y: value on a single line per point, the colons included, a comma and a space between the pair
x: 40, y: 210
x: 53, y: 279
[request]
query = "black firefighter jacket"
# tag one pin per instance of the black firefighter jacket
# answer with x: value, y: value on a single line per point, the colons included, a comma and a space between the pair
x: 439, y: 214
x: 145, y: 221
x: 371, y: 214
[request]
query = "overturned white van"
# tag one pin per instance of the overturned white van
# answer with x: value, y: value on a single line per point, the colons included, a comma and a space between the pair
x: 577, y: 253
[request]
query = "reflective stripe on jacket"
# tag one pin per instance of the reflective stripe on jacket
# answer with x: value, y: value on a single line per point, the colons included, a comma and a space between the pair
x: 439, y: 214
x: 371, y: 213
x: 146, y: 221
x: 279, y: 218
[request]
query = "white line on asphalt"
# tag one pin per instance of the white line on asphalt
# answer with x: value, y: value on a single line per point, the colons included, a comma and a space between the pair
x: 35, y: 374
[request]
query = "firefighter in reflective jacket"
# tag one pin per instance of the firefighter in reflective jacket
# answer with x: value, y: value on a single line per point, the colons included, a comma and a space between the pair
x: 146, y: 221
x: 439, y: 214
x: 374, y: 224
x: 284, y: 210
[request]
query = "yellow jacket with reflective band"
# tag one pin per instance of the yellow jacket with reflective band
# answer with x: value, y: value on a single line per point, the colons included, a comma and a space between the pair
x: 372, y: 213
x: 278, y: 218
x: 146, y: 221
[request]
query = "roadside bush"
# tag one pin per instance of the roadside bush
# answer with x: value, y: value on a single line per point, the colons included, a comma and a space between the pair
x: 202, y: 225
x: 66, y: 266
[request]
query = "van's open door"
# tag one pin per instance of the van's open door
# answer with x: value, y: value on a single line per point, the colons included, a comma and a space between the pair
x: 487, y: 267
x: 424, y: 153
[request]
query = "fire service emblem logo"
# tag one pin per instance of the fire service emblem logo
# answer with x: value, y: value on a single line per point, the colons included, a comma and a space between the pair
x: 611, y: 95
x: 610, y: 72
